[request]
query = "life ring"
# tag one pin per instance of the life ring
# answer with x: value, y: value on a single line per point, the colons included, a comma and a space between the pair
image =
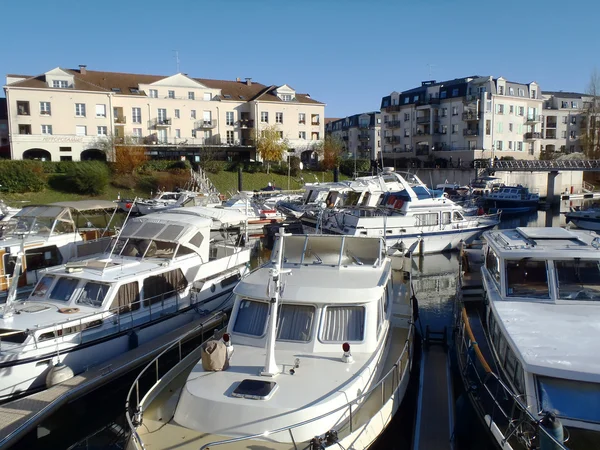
x: 68, y: 310
x: 391, y: 200
x: 398, y: 203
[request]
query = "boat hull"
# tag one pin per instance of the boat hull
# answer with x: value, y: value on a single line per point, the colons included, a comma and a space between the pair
x: 586, y: 223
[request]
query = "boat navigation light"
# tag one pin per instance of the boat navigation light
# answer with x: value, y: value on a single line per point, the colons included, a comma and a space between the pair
x: 227, y: 339
x: 347, y: 356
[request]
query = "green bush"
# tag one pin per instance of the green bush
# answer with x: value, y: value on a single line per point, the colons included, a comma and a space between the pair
x: 22, y: 176
x: 215, y: 166
x: 87, y: 177
x: 165, y: 181
x: 162, y: 165
x: 347, y: 166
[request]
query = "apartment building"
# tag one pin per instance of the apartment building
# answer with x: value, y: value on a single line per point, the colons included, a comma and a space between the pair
x: 63, y: 114
x: 360, y: 134
x: 462, y: 119
x: 4, y: 147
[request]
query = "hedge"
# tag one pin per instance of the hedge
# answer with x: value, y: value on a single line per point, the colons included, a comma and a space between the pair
x: 87, y: 177
x: 22, y: 176
x: 347, y: 166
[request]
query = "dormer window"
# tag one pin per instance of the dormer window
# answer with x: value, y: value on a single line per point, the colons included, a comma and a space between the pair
x: 61, y: 84
x: 286, y: 97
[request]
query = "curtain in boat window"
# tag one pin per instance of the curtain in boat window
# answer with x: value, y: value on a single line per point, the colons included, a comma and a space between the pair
x: 343, y: 323
x: 159, y: 287
x: 294, y: 322
x: 127, y: 298
x: 251, y: 318
x: 93, y: 294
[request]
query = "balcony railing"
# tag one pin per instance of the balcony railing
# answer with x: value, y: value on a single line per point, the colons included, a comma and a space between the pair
x: 392, y: 139
x: 470, y: 115
x: 120, y: 120
x: 393, y: 124
x: 364, y: 137
x: 315, y: 122
x: 533, y: 118
x: 550, y: 134
x: 423, y: 119
x: 533, y: 135
x: 159, y: 123
x: 205, y: 124
x: 246, y: 123
x: 392, y: 108
x: 470, y: 132
x: 248, y: 142
x: 551, y: 124
x: 422, y: 150
x: 422, y: 133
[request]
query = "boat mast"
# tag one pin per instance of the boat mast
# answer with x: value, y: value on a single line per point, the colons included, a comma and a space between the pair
x: 271, y: 369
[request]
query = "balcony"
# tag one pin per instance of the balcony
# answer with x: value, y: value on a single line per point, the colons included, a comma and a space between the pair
x: 532, y: 136
x: 550, y: 134
x: 533, y: 119
x: 550, y: 124
x: 315, y: 122
x: 159, y: 123
x: 246, y: 123
x: 393, y: 124
x: 392, y: 108
x: 392, y: 139
x: 248, y: 142
x: 422, y: 133
x: 470, y: 116
x: 422, y: 150
x: 364, y: 148
x: 470, y: 132
x: 120, y: 120
x: 364, y: 137
x: 205, y: 124
x: 423, y: 119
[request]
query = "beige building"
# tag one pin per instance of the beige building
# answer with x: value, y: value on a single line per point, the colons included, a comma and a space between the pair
x: 462, y: 120
x: 360, y: 134
x: 63, y: 114
x: 4, y: 147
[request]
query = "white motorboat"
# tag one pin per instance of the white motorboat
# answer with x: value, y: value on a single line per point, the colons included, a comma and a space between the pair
x: 586, y: 219
x: 413, y: 214
x: 50, y: 235
x: 160, y: 273
x: 259, y: 214
x: 527, y: 350
x: 317, y: 354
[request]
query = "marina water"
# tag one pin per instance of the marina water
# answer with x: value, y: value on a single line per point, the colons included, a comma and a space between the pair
x: 97, y: 421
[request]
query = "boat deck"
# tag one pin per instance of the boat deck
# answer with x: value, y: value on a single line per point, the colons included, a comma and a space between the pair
x: 20, y: 416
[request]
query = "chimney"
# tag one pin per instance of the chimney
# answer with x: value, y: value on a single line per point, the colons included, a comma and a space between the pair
x: 249, y: 81
x: 237, y: 79
x: 82, y: 69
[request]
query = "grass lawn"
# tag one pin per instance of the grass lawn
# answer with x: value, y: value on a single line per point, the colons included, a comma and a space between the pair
x: 226, y: 183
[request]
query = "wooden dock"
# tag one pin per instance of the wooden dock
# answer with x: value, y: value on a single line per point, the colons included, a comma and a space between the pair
x: 19, y: 417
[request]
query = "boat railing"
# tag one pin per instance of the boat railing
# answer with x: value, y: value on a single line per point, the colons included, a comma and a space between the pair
x: 506, y: 413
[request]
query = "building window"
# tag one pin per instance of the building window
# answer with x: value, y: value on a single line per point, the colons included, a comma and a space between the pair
x: 521, y: 110
x: 511, y: 109
x: 454, y: 92
x: 444, y: 129
x: 286, y: 97
x: 153, y: 93
x: 521, y: 92
x: 230, y: 137
x: 66, y: 158
x: 45, y: 108
x: 61, y: 84
x: 406, y: 133
x: 519, y: 146
x: 80, y: 130
x: 278, y: 117
x: 564, y: 104
x: 136, y: 115
x: 454, y: 129
x: 102, y: 131
x: 79, y: 109
x: 573, y: 135
x: 264, y: 117
x: 301, y: 118
x: 573, y: 120
x: 510, y: 127
x: 500, y: 109
x: 24, y: 129
x: 302, y: 135
x: 229, y: 118
x: 533, y: 93
x: 193, y: 114
x: 191, y: 95
x: 314, y: 119
x: 137, y: 132
x: 573, y: 104
x: 64, y: 149
x: 177, y: 114
x: 171, y: 94
x: 162, y: 115
x: 511, y: 91
x: 510, y: 145
x: 23, y: 108
x: 207, y: 97
x: 563, y: 134
x: 488, y: 127
x: 500, y: 90
x: 177, y: 133
x: 565, y: 119
x: 499, y: 145
x: 281, y: 135
x: 406, y: 116
x: 100, y: 110
x: 406, y: 100
x: 455, y: 111
x: 46, y: 129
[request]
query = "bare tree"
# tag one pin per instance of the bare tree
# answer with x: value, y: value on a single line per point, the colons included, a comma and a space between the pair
x: 270, y: 144
x: 331, y: 150
x: 590, y: 138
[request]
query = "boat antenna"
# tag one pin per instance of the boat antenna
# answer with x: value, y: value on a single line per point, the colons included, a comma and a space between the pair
x: 271, y: 369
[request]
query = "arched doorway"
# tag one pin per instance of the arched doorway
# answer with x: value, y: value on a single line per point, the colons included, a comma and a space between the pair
x: 93, y: 154
x: 37, y: 153
x: 309, y: 158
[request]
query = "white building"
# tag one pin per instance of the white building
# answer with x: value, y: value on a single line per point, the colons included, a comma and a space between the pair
x: 360, y: 134
x: 63, y: 113
x: 564, y: 121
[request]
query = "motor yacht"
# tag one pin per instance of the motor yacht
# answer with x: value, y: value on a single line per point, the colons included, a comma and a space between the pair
x: 317, y: 354
x: 259, y: 214
x: 161, y: 272
x: 512, y: 199
x: 527, y: 348
x: 586, y: 219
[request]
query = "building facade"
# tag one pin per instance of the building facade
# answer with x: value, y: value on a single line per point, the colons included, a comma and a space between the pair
x: 462, y: 120
x: 4, y: 147
x: 360, y: 134
x: 64, y: 114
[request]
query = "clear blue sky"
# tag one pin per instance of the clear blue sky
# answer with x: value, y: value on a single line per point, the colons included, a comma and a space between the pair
x: 347, y: 54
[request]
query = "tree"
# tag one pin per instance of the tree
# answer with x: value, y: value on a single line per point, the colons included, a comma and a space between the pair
x: 125, y: 153
x: 590, y: 138
x: 270, y: 145
x: 330, y: 151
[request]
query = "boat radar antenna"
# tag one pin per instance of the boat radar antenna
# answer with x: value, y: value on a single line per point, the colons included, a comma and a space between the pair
x: 271, y: 369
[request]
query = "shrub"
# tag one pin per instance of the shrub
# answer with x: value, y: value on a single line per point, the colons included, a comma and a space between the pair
x: 162, y: 165
x: 128, y: 158
x: 22, y: 176
x: 215, y: 166
x: 347, y: 166
x: 124, y: 181
x: 165, y: 181
x: 88, y: 177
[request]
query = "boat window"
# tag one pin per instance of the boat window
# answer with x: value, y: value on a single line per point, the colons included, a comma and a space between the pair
x: 365, y: 200
x: 159, y: 287
x: 294, y: 322
x: 519, y: 378
x: 160, y: 249
x: 183, y: 250
x: 501, y: 347
x: 343, y: 323
x: 492, y: 264
x: 127, y: 298
x: 446, y: 217
x: 379, y: 314
x: 570, y: 399
x: 352, y: 198
x: 64, y: 226
x: 526, y: 278
x: 42, y: 225
x: 578, y: 279
x: 510, y: 363
x: 251, y: 318
x: 138, y: 247
x: 93, y: 294
x: 426, y: 219
x: 63, y: 289
x: 38, y: 258
x: 457, y: 216
x: 42, y: 287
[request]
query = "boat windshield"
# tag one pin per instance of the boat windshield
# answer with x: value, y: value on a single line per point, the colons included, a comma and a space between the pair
x: 578, y: 279
x: 294, y: 322
x: 251, y: 318
x: 42, y: 287
x: 63, y: 289
x: 343, y: 323
x: 527, y: 278
x: 570, y: 399
x: 93, y: 294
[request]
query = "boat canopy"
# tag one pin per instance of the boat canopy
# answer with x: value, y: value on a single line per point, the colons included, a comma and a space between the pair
x: 220, y: 217
x: 87, y: 205
x: 421, y: 193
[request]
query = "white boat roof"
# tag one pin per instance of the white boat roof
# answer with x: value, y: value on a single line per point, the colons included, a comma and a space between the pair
x: 224, y: 217
x: 544, y: 243
x: 556, y: 340
x: 87, y: 205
